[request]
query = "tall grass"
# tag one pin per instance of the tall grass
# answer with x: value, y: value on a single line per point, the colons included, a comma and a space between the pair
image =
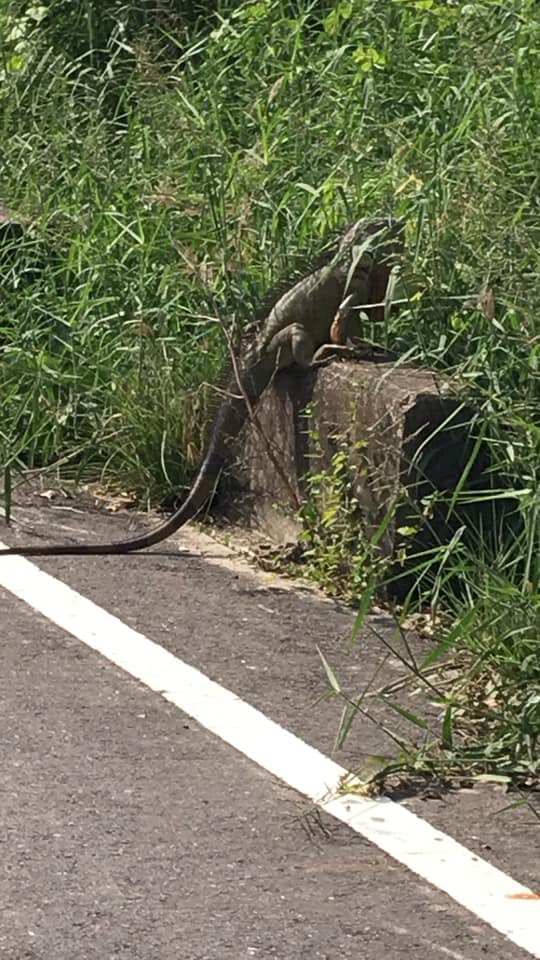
x: 169, y: 165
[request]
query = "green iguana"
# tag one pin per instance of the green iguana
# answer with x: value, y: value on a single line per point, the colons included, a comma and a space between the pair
x: 307, y: 324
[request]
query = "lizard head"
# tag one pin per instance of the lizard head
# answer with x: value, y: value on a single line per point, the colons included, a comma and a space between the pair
x: 386, y: 234
x: 372, y: 245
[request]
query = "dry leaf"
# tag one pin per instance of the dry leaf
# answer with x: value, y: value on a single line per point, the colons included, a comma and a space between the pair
x: 486, y: 304
x: 48, y: 494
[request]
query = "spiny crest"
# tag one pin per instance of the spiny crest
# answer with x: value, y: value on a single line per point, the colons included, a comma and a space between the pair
x: 304, y: 266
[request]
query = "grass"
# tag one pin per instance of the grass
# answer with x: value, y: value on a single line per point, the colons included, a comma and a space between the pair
x: 169, y: 167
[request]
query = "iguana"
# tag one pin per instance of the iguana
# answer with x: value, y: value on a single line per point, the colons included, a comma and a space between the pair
x: 298, y: 327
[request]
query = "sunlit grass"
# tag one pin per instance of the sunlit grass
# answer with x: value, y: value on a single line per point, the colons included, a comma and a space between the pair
x: 169, y: 170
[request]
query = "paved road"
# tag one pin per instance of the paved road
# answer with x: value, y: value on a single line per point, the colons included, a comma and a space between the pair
x: 129, y: 831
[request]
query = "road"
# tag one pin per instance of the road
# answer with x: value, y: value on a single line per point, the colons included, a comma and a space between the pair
x: 128, y: 829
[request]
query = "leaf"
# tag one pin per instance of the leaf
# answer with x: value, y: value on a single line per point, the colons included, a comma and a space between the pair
x: 7, y: 493
x: 407, y: 715
x: 493, y: 778
x: 447, y: 728
x: 332, y: 679
x: 345, y: 724
x: 275, y: 88
x: 449, y: 641
x: 365, y: 604
x: 486, y: 304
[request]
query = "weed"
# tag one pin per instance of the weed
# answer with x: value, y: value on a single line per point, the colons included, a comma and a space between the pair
x: 341, y: 558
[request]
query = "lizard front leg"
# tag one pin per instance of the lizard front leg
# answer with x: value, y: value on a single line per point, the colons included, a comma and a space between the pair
x: 340, y: 334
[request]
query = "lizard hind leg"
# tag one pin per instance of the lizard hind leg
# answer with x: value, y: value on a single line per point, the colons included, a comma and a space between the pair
x: 293, y: 344
x: 303, y: 347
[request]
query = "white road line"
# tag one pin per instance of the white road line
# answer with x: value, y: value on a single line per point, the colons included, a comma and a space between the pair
x: 488, y: 893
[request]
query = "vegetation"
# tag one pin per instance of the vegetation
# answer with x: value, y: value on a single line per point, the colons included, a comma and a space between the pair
x: 169, y: 163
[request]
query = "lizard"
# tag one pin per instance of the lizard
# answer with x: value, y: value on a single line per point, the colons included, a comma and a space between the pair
x: 308, y: 324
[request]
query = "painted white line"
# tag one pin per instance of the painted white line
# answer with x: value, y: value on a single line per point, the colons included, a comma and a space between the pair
x: 496, y: 898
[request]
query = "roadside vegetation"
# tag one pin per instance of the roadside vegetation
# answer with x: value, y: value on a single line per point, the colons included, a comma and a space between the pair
x: 170, y: 161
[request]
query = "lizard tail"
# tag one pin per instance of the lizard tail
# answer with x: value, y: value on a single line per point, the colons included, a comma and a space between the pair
x: 199, y: 494
x: 230, y: 418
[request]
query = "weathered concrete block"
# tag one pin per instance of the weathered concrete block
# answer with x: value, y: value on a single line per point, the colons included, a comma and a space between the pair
x: 404, y: 427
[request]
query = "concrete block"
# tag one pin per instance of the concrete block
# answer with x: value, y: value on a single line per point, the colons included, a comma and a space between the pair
x: 405, y: 428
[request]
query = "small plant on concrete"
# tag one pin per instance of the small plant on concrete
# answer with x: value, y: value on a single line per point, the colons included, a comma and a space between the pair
x: 344, y: 558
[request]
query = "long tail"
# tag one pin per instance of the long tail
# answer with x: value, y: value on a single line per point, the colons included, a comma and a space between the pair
x: 197, y: 497
x: 230, y: 418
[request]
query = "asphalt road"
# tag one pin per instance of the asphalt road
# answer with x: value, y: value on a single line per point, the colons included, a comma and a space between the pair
x: 127, y: 830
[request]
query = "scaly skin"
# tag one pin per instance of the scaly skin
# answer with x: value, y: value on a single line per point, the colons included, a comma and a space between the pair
x: 296, y: 330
